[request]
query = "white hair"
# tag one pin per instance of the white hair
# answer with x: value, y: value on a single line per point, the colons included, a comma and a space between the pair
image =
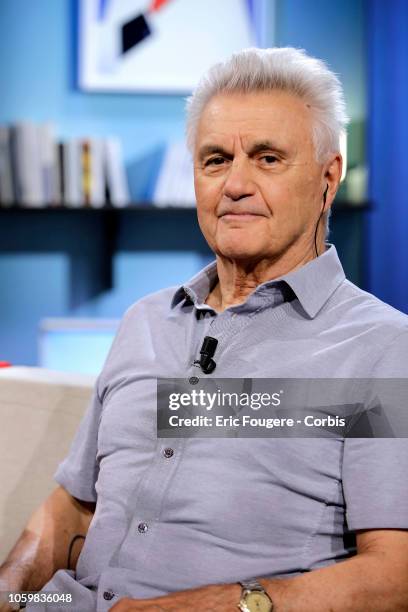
x: 280, y: 68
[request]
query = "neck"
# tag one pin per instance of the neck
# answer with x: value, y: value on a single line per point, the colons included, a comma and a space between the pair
x: 238, y: 278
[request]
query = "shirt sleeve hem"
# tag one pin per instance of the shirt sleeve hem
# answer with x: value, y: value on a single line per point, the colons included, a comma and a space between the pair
x: 364, y: 523
x: 76, y: 489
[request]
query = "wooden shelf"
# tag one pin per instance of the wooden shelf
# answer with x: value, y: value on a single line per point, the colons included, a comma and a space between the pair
x: 339, y: 205
x: 91, y: 236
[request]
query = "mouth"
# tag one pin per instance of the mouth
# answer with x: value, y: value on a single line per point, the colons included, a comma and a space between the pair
x: 240, y: 216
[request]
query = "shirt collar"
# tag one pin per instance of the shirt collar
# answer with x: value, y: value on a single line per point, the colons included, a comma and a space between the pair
x: 198, y: 287
x: 313, y: 283
x: 316, y: 281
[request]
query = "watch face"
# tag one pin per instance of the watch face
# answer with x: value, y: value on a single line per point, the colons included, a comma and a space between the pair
x: 258, y: 602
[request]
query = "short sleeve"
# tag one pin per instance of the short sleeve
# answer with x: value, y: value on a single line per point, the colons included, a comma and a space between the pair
x: 375, y: 471
x: 78, y: 472
x: 375, y: 483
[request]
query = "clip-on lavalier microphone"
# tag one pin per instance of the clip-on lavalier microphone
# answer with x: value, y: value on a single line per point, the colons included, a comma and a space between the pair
x: 206, y: 361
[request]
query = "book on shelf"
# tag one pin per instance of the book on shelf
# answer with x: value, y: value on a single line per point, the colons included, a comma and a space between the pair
x: 6, y: 177
x: 38, y: 170
x: 117, y: 184
x: 26, y: 158
x: 175, y: 183
x: 70, y: 172
x: 48, y: 149
x: 98, y: 182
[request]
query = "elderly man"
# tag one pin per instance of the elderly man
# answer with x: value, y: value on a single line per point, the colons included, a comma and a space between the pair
x: 256, y: 524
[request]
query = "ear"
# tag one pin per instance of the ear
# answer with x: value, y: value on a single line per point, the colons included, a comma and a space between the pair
x: 332, y: 169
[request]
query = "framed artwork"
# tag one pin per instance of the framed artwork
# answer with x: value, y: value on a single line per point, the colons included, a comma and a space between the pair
x: 162, y: 45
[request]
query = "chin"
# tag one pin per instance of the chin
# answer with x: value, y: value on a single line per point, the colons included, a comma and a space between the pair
x: 246, y: 241
x: 238, y: 252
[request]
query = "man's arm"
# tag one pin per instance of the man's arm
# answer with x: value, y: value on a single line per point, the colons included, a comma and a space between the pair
x: 43, y: 546
x: 376, y: 579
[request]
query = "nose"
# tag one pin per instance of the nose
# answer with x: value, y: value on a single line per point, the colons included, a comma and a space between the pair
x: 238, y: 183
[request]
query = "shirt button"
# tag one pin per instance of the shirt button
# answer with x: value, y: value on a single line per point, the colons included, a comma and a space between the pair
x: 108, y: 595
x: 142, y: 527
x: 168, y: 452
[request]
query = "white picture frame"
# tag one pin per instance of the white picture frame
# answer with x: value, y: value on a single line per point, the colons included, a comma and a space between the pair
x: 170, y: 42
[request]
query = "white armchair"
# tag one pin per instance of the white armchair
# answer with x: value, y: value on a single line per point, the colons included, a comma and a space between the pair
x: 39, y: 413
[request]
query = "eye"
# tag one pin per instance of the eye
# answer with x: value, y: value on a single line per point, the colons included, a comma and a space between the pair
x: 214, y: 161
x: 269, y: 159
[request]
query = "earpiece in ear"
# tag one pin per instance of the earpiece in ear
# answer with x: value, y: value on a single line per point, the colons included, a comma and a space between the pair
x: 325, y: 194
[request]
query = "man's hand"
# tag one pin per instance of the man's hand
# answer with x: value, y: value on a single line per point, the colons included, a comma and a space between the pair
x: 214, y: 598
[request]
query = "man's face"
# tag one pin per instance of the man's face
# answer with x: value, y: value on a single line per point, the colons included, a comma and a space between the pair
x: 259, y: 189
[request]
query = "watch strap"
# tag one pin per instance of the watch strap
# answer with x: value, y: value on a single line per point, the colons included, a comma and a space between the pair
x: 251, y: 585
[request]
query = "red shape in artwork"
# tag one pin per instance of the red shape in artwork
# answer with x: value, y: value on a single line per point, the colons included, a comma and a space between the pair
x: 156, y: 5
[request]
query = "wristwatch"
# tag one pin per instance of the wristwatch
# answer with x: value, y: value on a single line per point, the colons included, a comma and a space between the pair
x: 254, y: 598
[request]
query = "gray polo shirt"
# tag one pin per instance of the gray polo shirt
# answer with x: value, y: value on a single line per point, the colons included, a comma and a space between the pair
x: 180, y: 513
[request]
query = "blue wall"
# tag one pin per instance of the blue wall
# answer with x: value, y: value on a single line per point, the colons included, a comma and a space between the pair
x: 387, y: 227
x: 333, y: 31
x: 37, y: 67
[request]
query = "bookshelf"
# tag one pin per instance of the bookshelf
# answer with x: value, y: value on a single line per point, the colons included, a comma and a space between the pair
x: 91, y: 236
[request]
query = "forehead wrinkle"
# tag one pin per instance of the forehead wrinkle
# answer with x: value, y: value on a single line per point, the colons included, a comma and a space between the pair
x: 246, y: 138
x: 267, y: 119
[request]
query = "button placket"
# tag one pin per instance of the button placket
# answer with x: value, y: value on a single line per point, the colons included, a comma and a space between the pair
x: 150, y: 499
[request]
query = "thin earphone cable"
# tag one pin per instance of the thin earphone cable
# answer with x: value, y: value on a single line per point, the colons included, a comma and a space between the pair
x: 318, y: 221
